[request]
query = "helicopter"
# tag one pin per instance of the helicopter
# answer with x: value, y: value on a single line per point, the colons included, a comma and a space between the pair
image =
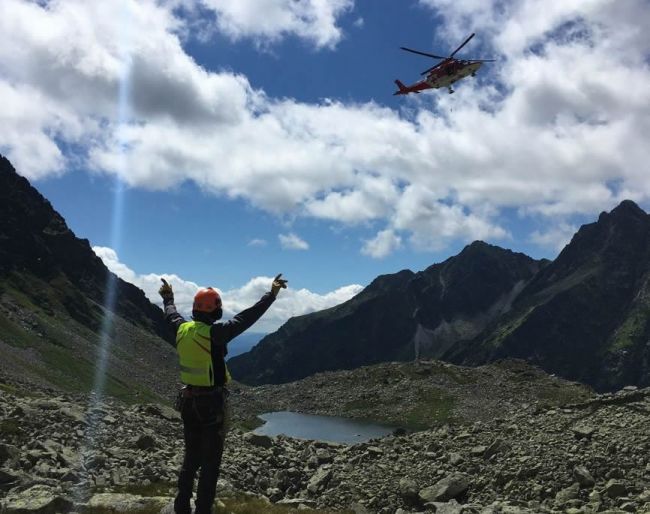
x: 444, y: 73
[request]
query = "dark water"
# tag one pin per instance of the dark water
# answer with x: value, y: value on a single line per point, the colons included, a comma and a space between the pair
x: 321, y: 428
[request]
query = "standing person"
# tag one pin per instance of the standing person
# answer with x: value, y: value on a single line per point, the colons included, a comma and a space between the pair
x: 201, y: 346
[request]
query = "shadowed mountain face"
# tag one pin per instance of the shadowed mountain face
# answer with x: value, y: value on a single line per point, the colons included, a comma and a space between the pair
x: 36, y: 241
x: 397, y: 317
x: 52, y: 291
x: 585, y: 316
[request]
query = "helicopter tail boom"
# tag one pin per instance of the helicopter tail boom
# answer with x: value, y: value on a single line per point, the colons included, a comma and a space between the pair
x: 403, y: 90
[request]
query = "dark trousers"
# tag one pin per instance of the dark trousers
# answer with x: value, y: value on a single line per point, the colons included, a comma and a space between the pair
x: 204, y: 430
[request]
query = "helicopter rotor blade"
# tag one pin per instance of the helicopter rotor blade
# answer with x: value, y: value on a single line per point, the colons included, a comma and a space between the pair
x: 430, y: 69
x: 422, y: 53
x: 463, y: 44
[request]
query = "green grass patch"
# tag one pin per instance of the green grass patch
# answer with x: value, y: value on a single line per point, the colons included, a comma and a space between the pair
x: 151, y: 489
x: 248, y: 424
x: 508, y: 328
x: 77, y: 374
x: 557, y: 396
x: 424, y: 370
x: 104, y: 510
x: 9, y: 427
x: 7, y: 388
x: 238, y: 504
x: 15, y: 335
x: 455, y: 375
x: 434, y: 407
x: 632, y: 329
x: 248, y: 505
x: 73, y: 373
x: 359, y: 404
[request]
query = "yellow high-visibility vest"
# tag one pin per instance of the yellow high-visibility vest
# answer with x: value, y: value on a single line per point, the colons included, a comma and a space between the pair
x: 194, y: 348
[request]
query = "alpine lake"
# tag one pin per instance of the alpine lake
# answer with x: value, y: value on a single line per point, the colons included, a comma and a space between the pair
x: 321, y: 428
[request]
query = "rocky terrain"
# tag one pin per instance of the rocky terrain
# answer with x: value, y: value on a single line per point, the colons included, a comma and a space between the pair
x: 584, y: 316
x: 401, y: 316
x: 62, y: 453
x: 54, y: 314
x: 414, y: 395
x: 504, y: 437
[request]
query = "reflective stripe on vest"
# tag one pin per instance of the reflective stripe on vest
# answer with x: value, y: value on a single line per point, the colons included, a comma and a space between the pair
x: 194, y: 350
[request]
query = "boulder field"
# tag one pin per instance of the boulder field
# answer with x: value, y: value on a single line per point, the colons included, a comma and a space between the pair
x: 75, y: 453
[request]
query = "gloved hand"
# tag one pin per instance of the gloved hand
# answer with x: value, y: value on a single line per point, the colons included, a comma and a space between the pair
x: 166, y: 291
x: 278, y: 283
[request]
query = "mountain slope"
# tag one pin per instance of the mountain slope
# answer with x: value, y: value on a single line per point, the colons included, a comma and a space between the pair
x: 585, y: 316
x: 397, y: 317
x: 52, y: 291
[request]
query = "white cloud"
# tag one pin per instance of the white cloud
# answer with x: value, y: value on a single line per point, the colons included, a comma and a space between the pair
x: 556, y: 237
x: 433, y: 224
x: 569, y: 119
x: 368, y: 197
x: 271, y: 20
x: 257, y: 242
x: 292, y: 242
x: 290, y: 302
x: 184, y: 290
x: 383, y: 244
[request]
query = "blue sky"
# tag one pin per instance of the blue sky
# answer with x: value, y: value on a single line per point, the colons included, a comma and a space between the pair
x: 249, y: 137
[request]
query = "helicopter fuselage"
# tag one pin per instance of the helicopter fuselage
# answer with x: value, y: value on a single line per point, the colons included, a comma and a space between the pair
x: 446, y: 75
x: 442, y: 76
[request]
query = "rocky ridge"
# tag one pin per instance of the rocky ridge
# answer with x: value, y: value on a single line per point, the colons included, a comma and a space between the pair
x: 69, y: 453
x: 54, y: 308
x: 584, y: 316
x: 419, y: 394
x: 398, y: 317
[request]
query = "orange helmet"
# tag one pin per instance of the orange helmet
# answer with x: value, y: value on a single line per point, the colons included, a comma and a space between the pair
x: 206, y: 300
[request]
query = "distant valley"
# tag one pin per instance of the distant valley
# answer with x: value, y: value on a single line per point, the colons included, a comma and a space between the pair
x: 243, y: 343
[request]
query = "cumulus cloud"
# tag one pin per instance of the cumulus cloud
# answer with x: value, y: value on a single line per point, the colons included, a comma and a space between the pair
x: 257, y: 242
x: 383, y: 244
x: 184, y: 290
x: 563, y: 117
x: 556, y: 237
x: 292, y: 242
x: 270, y: 20
x: 290, y: 302
x: 433, y: 224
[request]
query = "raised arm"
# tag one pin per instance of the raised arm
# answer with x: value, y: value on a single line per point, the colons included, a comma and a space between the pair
x: 225, y: 332
x: 173, y: 318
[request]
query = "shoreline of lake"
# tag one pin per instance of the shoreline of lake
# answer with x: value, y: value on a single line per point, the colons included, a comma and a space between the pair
x: 334, y: 429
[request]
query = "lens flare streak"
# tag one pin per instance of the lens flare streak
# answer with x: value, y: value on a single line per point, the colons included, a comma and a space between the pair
x: 95, y: 414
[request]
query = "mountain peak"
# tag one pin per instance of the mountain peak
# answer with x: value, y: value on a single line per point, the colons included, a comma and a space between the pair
x: 476, y: 247
x: 627, y: 208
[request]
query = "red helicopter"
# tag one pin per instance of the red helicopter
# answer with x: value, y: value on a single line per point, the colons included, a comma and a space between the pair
x: 444, y: 73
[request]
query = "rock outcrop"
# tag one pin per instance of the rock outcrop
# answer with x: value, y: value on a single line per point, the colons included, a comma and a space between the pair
x: 71, y: 452
x: 585, y: 316
x: 398, y: 317
x: 35, y: 242
x: 54, y: 311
